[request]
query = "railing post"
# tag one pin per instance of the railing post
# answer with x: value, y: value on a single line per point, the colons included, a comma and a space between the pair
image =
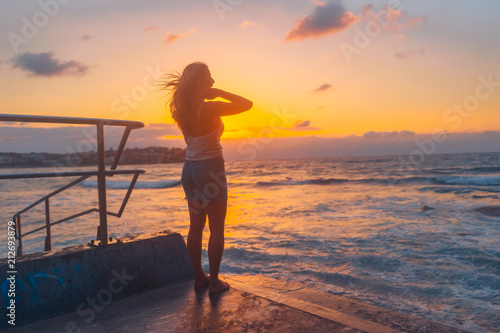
x: 101, y: 184
x: 19, y: 235
x: 48, y: 241
x: 119, y: 152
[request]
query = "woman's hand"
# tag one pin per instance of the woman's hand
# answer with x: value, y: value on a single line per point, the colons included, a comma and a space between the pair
x: 211, y: 93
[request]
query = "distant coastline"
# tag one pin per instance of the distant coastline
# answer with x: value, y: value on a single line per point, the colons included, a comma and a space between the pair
x: 150, y: 155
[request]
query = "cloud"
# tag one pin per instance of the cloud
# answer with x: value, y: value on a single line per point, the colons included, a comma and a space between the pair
x: 303, y: 126
x: 251, y: 25
x: 246, y: 24
x: 257, y: 131
x: 86, y: 37
x: 379, y: 135
x: 150, y: 28
x: 410, y: 53
x: 406, y: 134
x: 414, y: 21
x: 45, y: 64
x: 323, y: 87
x: 391, y: 20
x: 318, y: 147
x: 170, y: 38
x: 24, y: 139
x: 326, y: 18
x: 387, y: 135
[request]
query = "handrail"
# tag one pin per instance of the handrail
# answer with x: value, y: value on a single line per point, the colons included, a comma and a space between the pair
x: 119, y: 214
x: 101, y: 174
x: 63, y: 174
x: 69, y: 120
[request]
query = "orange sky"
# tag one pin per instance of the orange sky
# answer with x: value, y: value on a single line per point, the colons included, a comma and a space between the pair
x: 405, y: 73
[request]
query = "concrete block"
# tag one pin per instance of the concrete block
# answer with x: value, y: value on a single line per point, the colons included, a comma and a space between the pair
x: 87, y: 278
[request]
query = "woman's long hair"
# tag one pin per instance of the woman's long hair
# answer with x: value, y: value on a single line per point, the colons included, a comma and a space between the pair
x: 183, y: 89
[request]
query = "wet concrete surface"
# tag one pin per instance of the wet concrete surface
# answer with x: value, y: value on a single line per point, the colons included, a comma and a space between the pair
x: 352, y: 313
x: 253, y: 304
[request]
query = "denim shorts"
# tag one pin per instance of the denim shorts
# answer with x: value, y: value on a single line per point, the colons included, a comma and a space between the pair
x: 204, y: 180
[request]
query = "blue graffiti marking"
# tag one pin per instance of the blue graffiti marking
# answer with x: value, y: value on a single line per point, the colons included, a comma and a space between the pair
x: 32, y: 278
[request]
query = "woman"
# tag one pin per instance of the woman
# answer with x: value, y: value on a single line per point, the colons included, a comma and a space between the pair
x: 203, y: 176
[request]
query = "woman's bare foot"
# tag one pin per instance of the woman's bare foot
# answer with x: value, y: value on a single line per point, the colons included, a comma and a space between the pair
x: 202, y: 281
x: 217, y: 286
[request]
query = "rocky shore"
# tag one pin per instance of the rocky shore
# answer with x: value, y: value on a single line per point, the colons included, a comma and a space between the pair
x: 150, y: 155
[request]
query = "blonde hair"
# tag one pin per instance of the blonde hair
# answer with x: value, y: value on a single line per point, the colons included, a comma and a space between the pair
x: 182, y: 88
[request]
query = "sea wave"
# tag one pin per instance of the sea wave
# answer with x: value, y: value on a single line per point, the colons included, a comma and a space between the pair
x: 123, y: 185
x: 484, y: 169
x: 315, y: 181
x: 445, y: 180
x: 477, y: 181
x: 458, y: 169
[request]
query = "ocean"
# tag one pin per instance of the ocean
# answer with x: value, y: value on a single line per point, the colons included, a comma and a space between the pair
x: 346, y: 226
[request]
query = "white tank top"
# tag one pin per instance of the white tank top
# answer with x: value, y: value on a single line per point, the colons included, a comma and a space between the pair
x: 205, y: 146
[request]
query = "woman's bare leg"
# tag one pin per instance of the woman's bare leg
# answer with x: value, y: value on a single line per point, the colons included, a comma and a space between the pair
x: 197, y: 217
x: 216, y: 212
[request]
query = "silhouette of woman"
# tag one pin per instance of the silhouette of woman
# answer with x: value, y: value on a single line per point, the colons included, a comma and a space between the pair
x: 203, y: 175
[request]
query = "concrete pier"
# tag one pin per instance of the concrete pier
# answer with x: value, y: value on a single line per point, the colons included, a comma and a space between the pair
x: 86, y: 278
x: 145, y: 285
x: 253, y: 304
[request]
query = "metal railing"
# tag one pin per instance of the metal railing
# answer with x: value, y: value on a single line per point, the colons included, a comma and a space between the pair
x: 101, y: 173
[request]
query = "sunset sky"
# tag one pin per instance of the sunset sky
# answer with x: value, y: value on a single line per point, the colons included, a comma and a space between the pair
x: 327, y: 78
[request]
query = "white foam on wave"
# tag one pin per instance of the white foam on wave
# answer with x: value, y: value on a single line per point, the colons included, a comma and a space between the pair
x: 480, y: 181
x: 442, y: 180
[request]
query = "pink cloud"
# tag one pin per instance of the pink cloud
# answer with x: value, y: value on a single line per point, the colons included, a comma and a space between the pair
x: 415, y: 21
x: 246, y: 24
x: 391, y: 20
x: 150, y: 28
x: 169, y: 37
x: 331, y: 17
x: 410, y: 53
x: 326, y: 18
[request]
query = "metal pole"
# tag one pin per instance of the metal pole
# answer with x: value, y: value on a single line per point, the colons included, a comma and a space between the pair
x: 127, y: 196
x: 48, y: 242
x: 101, y: 184
x: 121, y: 147
x: 19, y: 235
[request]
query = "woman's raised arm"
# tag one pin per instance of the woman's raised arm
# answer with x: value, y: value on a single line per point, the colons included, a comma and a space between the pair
x: 238, y: 104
